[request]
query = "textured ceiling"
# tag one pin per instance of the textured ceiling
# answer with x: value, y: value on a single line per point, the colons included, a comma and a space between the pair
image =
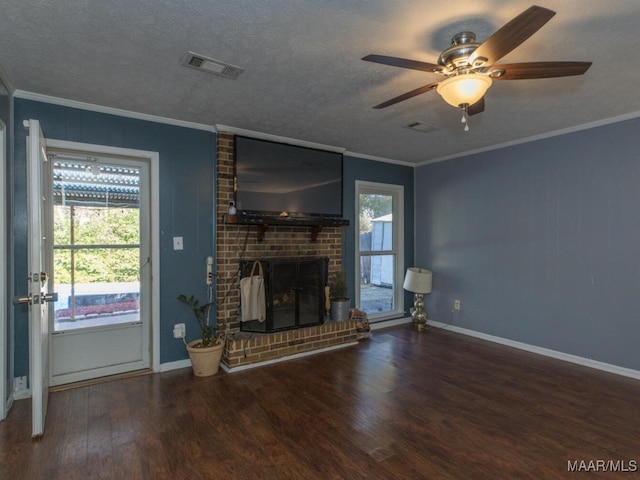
x: 304, y: 77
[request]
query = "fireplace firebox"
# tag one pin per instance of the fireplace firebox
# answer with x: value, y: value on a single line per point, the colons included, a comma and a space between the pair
x: 294, y: 290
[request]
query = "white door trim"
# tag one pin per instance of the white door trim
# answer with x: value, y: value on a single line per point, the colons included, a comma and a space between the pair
x: 4, y: 377
x: 154, y: 161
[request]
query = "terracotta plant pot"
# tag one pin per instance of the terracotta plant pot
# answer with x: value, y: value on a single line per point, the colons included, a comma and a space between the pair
x: 205, y: 361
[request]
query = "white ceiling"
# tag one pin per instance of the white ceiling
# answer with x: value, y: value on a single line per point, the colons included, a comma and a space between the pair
x: 304, y: 77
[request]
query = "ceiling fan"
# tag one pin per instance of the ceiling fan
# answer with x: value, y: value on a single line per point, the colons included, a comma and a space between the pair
x: 469, y: 68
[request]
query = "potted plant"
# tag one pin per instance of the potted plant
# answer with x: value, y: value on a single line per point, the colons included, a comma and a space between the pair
x: 206, y: 352
x: 340, y: 303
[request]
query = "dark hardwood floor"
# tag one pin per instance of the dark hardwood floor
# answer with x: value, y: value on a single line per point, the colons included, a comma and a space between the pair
x: 401, y: 405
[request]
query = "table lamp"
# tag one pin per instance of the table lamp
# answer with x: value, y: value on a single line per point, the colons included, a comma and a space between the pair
x: 418, y: 281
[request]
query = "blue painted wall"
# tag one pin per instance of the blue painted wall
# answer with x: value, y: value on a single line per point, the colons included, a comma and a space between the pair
x: 540, y: 242
x: 356, y: 168
x: 187, y: 166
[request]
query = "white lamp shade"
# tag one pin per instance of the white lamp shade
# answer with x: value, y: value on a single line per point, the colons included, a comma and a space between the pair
x: 418, y: 280
x: 464, y: 89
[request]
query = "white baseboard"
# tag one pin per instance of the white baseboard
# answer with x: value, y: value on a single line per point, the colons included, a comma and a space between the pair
x: 389, y: 323
x: 22, y: 394
x: 8, y: 406
x: 167, y: 367
x: 567, y: 357
x: 284, y: 359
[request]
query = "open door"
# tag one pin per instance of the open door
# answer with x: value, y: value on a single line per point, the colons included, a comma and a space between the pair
x: 39, y: 264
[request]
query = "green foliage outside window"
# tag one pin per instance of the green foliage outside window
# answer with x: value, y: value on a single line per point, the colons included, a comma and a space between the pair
x: 373, y: 206
x: 97, y: 226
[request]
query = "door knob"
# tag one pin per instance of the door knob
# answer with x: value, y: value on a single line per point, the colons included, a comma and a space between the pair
x: 29, y: 299
x: 22, y: 300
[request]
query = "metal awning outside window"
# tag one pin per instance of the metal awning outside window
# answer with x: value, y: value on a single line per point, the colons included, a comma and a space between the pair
x: 88, y: 183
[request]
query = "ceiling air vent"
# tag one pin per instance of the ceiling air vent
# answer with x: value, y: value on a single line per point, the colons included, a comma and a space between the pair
x: 209, y: 65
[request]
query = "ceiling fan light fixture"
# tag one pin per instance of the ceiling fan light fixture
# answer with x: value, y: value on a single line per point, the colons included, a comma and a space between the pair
x: 464, y: 89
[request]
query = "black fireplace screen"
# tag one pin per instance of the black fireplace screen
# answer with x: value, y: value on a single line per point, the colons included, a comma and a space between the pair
x: 294, y: 291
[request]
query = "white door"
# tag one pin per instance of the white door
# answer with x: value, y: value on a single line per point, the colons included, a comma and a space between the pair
x: 101, y: 250
x: 38, y: 296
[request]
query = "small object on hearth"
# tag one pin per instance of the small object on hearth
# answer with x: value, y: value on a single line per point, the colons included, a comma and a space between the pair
x: 231, y: 212
x: 327, y: 300
x: 362, y: 323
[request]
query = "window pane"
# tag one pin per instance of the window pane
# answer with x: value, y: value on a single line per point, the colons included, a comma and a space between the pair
x: 376, y: 292
x: 376, y: 222
x: 96, y: 304
x: 104, y: 289
x: 106, y: 226
x: 62, y: 224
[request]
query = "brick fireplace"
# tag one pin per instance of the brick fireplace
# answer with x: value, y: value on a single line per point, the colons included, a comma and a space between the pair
x: 236, y: 242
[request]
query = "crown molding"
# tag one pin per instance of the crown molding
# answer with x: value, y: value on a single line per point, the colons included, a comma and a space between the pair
x: 542, y: 136
x: 63, y: 102
x: 276, y: 138
x: 379, y: 159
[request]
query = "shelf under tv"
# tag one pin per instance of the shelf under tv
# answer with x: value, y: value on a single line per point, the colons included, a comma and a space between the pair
x: 263, y: 222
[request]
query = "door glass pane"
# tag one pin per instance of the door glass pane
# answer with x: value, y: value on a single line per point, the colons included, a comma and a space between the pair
x: 377, y: 272
x: 376, y: 295
x: 96, y: 244
x: 376, y: 222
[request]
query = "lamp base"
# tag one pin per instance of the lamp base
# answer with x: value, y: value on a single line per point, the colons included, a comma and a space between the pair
x: 418, y: 313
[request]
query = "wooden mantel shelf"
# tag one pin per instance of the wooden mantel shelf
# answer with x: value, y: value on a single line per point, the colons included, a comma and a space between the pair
x: 263, y: 223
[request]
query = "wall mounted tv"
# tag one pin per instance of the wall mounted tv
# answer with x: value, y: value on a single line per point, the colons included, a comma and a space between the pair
x: 286, y: 182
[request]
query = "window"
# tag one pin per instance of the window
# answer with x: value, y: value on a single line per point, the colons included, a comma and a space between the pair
x: 379, y: 253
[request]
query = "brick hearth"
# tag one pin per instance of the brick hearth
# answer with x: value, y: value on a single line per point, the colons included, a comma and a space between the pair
x: 245, y: 348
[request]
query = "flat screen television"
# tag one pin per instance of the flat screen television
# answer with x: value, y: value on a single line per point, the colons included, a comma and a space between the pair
x: 287, y: 181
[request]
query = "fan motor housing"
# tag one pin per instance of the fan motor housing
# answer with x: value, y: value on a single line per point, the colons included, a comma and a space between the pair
x: 463, y: 44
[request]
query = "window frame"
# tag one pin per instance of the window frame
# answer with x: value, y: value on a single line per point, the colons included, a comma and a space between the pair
x: 397, y: 194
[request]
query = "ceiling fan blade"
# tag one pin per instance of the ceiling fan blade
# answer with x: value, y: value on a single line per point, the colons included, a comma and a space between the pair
x: 511, y: 35
x: 408, y: 95
x: 403, y: 63
x: 476, y: 108
x: 523, y: 71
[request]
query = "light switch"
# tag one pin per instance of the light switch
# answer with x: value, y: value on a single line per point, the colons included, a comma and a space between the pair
x: 177, y: 243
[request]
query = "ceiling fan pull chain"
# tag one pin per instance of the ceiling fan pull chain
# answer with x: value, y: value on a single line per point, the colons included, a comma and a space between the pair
x: 465, y: 118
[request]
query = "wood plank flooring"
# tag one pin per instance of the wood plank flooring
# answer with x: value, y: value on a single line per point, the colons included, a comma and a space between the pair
x: 400, y: 405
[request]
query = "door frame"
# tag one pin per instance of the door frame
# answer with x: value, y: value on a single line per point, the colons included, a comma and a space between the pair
x: 154, y: 211
x: 397, y: 192
x: 4, y: 292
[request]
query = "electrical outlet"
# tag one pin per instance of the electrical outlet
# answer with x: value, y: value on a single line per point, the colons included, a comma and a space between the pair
x: 457, y: 305
x: 179, y: 330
